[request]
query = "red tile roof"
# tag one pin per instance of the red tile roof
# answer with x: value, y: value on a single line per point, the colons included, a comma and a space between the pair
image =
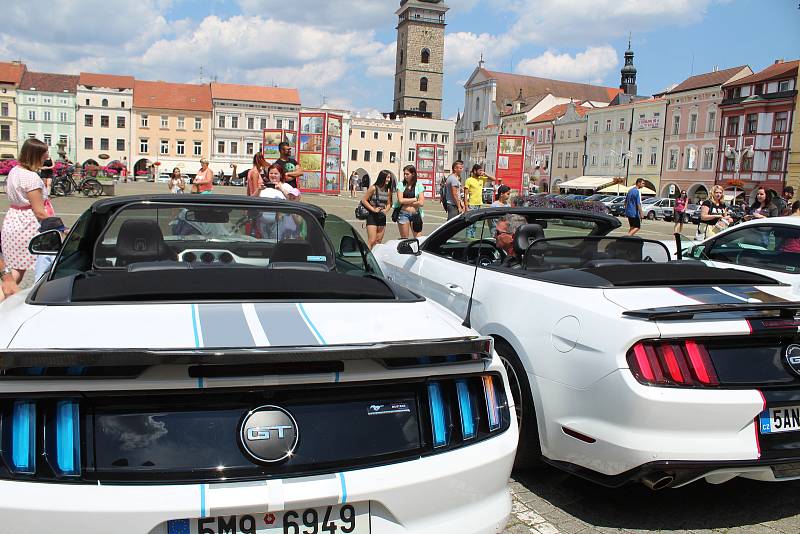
x: 255, y: 93
x: 775, y: 71
x: 47, y: 82
x: 534, y: 89
x: 557, y: 111
x: 11, y: 72
x: 177, y: 96
x: 709, y: 79
x: 112, y: 81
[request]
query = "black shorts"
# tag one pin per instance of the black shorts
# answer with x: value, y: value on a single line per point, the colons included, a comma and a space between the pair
x: 376, y: 219
x: 635, y: 222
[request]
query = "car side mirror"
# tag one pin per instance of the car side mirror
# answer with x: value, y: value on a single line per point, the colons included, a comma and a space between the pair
x: 348, y: 245
x: 697, y: 251
x: 409, y: 246
x: 46, y: 244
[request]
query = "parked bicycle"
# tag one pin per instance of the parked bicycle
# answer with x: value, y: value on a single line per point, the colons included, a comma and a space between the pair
x: 64, y: 184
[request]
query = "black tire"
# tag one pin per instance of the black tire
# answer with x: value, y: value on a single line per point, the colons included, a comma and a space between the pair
x: 686, y: 218
x: 529, y: 452
x: 651, y: 215
x: 92, y: 188
x: 59, y: 189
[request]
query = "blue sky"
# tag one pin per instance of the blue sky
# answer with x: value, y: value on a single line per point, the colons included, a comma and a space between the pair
x: 343, y: 50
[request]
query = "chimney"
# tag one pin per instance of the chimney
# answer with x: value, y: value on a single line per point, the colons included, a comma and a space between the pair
x: 777, y: 61
x: 715, y: 69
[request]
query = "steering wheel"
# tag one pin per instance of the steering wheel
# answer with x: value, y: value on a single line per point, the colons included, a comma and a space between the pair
x: 484, y: 260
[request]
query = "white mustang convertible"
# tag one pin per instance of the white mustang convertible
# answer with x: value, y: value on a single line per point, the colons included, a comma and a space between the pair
x: 625, y: 366
x: 206, y: 364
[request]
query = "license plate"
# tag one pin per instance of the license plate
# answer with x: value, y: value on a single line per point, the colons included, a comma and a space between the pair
x: 339, y: 519
x: 775, y: 420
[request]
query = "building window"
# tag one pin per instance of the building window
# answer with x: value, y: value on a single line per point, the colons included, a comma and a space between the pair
x: 392, y: 157
x: 783, y: 86
x: 379, y: 157
x: 638, y: 156
x: 120, y: 121
x: 363, y: 134
x: 374, y: 135
x: 548, y: 136
x: 88, y: 120
x: 367, y: 155
x: 561, y: 134
x: 747, y: 163
x: 676, y: 124
x: 5, y: 132
x: 353, y: 155
x: 567, y: 159
x: 621, y: 125
x: 389, y: 136
x: 143, y: 122
x: 538, y: 136
x: 234, y: 147
x: 673, y: 159
x: 164, y: 146
x: 122, y: 104
x: 594, y: 160
x: 31, y: 99
x: 251, y: 123
x: 693, y: 123
x: 198, y: 123
x: 263, y: 123
x: 47, y: 116
x: 780, y: 122
x: 104, y: 143
x: 198, y: 148
x: 434, y: 138
x: 608, y: 125
x: 143, y: 147
x: 31, y: 115
x: 691, y: 158
x: 423, y: 84
x: 181, y: 123
x: 594, y: 127
x: 180, y: 148
x: 221, y: 122
x: 164, y: 121
x: 776, y: 161
x: 411, y: 154
x: 560, y: 160
x: 605, y: 159
x: 445, y: 138
x: 712, y: 119
x: 48, y: 139
x: 425, y: 56
x: 87, y: 101
x: 4, y: 109
x: 62, y: 116
x: 104, y: 103
x: 423, y: 106
x: 708, y: 158
x: 220, y: 147
x: 120, y: 145
x: 64, y: 140
x: 412, y: 136
x: 279, y: 123
x: 88, y: 143
x: 653, y: 155
x: 235, y: 122
x: 423, y: 136
x: 574, y: 160
x: 291, y: 125
x: 729, y: 163
x: 752, y: 123
x: 104, y: 121
x: 249, y: 149
x: 733, y: 126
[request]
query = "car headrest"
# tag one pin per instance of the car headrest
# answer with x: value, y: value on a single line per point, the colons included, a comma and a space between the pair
x: 525, y: 235
x: 141, y: 241
x: 292, y: 250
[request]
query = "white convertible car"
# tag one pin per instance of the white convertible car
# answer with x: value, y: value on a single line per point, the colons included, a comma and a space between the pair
x: 206, y: 364
x: 624, y: 366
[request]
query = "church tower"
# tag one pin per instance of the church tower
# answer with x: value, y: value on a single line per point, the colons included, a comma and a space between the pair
x: 419, y: 69
x: 628, y: 72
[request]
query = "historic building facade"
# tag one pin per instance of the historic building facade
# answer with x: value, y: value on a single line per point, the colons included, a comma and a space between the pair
x: 757, y: 114
x: 692, y: 132
x: 608, y: 142
x: 375, y: 144
x: 569, y: 144
x: 104, y: 108
x: 647, y: 142
x: 46, y: 110
x: 419, y: 70
x: 172, y: 126
x: 10, y: 78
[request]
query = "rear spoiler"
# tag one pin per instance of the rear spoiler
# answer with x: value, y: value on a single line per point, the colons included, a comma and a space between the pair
x: 787, y: 310
x: 476, y: 348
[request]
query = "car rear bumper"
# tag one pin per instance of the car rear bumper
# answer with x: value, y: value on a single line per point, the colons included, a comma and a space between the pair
x: 633, y: 430
x: 463, y: 491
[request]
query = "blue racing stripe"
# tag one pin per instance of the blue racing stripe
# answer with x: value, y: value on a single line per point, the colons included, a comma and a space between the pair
x: 344, y: 487
x: 310, y: 324
x: 202, y: 500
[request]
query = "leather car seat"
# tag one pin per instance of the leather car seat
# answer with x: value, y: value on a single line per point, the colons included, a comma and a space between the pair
x: 141, y: 241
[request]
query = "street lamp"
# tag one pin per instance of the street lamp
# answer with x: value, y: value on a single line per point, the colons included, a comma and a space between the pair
x: 737, y: 154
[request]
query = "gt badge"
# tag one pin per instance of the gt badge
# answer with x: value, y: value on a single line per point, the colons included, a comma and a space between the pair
x: 793, y: 358
x: 269, y: 434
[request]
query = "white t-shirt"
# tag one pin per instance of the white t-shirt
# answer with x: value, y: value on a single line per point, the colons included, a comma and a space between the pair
x: 271, y: 192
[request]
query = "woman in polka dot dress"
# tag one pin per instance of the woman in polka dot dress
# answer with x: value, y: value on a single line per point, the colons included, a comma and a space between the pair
x: 28, y: 205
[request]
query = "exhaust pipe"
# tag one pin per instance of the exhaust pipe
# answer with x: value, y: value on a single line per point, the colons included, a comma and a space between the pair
x: 657, y: 481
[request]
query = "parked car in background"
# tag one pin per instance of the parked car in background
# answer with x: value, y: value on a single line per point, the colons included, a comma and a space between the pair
x: 611, y: 199
x: 656, y: 208
x: 597, y: 197
x: 163, y: 178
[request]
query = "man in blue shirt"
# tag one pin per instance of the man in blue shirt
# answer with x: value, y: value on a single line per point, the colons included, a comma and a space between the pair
x: 633, y: 207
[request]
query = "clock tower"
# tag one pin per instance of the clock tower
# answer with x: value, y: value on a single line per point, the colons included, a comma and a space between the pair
x: 419, y: 70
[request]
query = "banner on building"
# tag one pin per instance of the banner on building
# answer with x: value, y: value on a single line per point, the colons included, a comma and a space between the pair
x: 510, y: 161
x: 319, y: 152
x: 430, y: 168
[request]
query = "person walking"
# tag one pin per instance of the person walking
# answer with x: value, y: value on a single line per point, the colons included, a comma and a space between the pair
x: 763, y: 207
x: 633, y: 207
x: 46, y: 172
x: 257, y: 176
x: 473, y: 193
x: 714, y: 213
x: 451, y: 198
x: 409, y: 202
x: 204, y: 180
x: 28, y: 204
x: 376, y: 200
x: 680, y: 209
x: 352, y: 186
x: 177, y: 185
x: 291, y: 169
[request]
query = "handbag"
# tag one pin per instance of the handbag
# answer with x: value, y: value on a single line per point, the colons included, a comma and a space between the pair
x: 361, y: 212
x: 395, y: 214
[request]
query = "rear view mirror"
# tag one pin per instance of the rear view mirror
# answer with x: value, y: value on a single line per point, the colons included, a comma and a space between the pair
x: 46, y: 244
x: 408, y: 246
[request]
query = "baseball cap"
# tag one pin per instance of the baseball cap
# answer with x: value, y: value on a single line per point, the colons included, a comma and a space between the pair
x: 52, y: 223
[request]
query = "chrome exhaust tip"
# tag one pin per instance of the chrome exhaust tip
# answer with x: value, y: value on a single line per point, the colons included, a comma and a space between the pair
x: 658, y: 481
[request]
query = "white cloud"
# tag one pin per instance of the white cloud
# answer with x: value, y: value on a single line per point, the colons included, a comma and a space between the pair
x: 463, y: 49
x: 378, y: 57
x: 366, y: 14
x: 589, y: 66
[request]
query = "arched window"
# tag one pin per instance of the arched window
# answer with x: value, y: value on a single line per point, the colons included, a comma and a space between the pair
x: 399, y: 85
x: 423, y: 106
x: 105, y: 103
x: 423, y: 84
x: 425, y: 56
x: 401, y: 56
x: 478, y: 105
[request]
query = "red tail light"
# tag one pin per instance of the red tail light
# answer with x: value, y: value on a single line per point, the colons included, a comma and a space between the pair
x: 672, y: 363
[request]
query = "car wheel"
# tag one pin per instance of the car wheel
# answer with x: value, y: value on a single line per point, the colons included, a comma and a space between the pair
x: 651, y: 215
x: 529, y: 451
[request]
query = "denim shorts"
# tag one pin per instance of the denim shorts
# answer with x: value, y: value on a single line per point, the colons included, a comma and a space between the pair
x: 404, y: 217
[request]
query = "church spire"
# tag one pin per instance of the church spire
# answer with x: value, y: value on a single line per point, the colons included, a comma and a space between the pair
x: 628, y: 72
